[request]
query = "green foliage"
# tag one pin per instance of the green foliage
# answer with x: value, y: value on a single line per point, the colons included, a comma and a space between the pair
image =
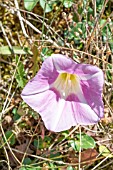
x: 10, y: 137
x: 52, y: 166
x: 46, y: 5
x: 5, y: 50
x: 111, y: 45
x: 108, y: 72
x: 20, y: 75
x: 67, y: 3
x: 41, y: 144
x: 30, y: 4
x: 70, y: 168
x: 99, y: 4
x: 16, y: 115
x: 27, y: 161
x: 65, y: 133
x: 46, y: 52
x: 55, y: 155
x: 86, y: 142
x: 77, y: 33
x: 29, y: 168
x: 104, y: 151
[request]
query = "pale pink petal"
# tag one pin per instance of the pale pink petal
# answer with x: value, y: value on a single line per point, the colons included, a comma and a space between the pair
x: 76, y: 113
x: 49, y: 105
x: 84, y: 107
x: 92, y: 90
x: 92, y: 87
x: 63, y: 63
x: 43, y: 79
x: 58, y: 114
x: 87, y: 71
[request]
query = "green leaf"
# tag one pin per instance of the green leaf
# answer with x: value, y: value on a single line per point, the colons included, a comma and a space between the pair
x: 55, y: 155
x: 52, y: 166
x: 65, y: 133
x: 27, y: 161
x: 20, y: 75
x: 104, y: 151
x: 86, y: 142
x: 73, y: 144
x: 46, y: 53
x: 67, y: 3
x: 46, y: 7
x: 102, y: 21
x: 39, y: 144
x: 5, y: 50
x: 30, y: 4
x: 10, y: 137
x: 36, y: 143
x: 111, y: 45
x: 14, y: 111
x: 16, y: 115
x: 21, y: 82
x: 70, y: 168
x: 30, y: 168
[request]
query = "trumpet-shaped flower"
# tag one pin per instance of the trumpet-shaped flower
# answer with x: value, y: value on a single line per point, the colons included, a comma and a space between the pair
x: 66, y: 93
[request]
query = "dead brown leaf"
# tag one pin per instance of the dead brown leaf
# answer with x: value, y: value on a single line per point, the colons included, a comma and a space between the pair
x: 87, y: 157
x: 23, y: 148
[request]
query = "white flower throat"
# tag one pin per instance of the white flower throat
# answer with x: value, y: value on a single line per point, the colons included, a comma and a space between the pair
x: 67, y: 84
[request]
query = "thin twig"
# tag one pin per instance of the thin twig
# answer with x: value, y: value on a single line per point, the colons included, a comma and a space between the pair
x: 102, y: 161
x: 68, y: 135
x: 35, y: 29
x: 8, y: 162
x: 7, y: 40
x: 20, y: 18
x: 79, y: 165
x: 52, y: 160
x: 96, y: 22
x: 29, y: 143
x: 8, y: 144
x: 82, y: 52
x: 5, y: 103
x: 107, y: 21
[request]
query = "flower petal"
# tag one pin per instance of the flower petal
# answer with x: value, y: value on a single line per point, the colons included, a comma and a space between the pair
x: 92, y: 90
x: 87, y: 71
x: 49, y: 105
x: 43, y: 79
x: 76, y: 113
x: 83, y: 107
x: 63, y: 63
x: 58, y: 114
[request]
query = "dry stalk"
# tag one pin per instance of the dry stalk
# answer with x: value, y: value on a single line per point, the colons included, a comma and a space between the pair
x: 95, y: 26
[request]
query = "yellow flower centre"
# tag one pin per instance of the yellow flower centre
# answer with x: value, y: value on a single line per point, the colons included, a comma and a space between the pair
x: 67, y: 84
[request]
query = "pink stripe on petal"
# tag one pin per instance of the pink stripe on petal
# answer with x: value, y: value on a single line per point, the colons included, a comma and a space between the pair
x: 74, y: 112
x: 86, y: 70
x: 93, y: 95
x: 84, y: 114
x: 92, y: 89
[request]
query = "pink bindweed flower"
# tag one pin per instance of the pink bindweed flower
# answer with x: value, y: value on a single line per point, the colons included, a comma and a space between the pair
x: 66, y: 93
